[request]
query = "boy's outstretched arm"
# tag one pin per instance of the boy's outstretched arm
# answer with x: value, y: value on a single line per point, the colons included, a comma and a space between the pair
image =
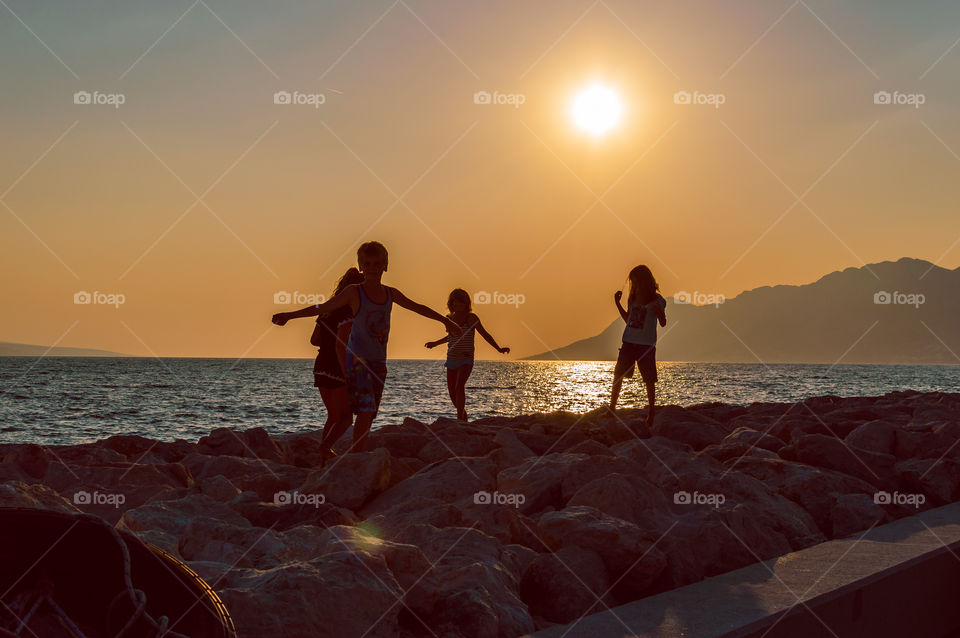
x: 402, y: 301
x: 339, y: 301
x: 616, y: 298
x: 489, y: 338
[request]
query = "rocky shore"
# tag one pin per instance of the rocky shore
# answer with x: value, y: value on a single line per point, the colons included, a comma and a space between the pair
x: 501, y: 526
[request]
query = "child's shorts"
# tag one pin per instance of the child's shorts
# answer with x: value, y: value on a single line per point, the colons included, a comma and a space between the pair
x: 365, y: 379
x: 645, y: 357
x: 453, y: 364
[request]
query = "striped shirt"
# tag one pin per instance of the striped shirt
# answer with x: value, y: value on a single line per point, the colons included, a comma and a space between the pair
x: 461, y: 348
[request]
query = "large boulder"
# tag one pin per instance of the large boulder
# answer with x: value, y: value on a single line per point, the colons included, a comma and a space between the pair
x: 430, y: 495
x: 626, y: 550
x: 477, y: 593
x: 688, y: 426
x: 832, y: 453
x: 564, y: 585
x: 339, y: 594
x: 874, y: 436
x: 351, y: 480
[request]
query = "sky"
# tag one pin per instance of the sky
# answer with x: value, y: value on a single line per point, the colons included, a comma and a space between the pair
x: 191, y: 201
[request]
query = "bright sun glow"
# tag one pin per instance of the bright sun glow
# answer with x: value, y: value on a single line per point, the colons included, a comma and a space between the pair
x: 596, y: 109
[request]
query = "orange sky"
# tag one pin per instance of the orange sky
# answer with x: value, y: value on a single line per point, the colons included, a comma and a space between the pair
x: 494, y: 198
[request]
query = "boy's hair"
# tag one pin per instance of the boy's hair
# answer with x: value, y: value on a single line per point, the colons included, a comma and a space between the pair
x: 459, y: 294
x: 373, y: 248
x: 643, y: 286
x: 352, y: 276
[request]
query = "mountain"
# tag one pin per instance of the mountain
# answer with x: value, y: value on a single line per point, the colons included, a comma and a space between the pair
x: 890, y: 312
x: 8, y: 349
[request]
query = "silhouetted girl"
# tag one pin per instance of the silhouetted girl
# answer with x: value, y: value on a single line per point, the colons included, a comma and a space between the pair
x: 460, y: 349
x: 645, y: 307
x: 330, y: 337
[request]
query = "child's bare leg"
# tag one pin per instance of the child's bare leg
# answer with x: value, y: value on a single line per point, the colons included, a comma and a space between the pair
x: 615, y: 391
x: 651, y: 401
x: 452, y: 389
x: 463, y: 373
x: 337, y: 402
x: 360, y: 430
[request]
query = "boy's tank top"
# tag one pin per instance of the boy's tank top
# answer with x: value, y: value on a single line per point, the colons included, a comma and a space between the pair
x: 371, y: 327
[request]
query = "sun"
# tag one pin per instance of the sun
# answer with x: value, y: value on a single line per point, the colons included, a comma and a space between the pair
x: 596, y: 109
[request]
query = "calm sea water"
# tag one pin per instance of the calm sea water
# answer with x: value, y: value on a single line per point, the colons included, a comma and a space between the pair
x: 59, y: 400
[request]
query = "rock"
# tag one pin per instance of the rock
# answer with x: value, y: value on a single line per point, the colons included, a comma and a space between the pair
x: 478, y: 596
x: 875, y: 436
x: 401, y: 442
x: 629, y: 557
x: 32, y: 460
x: 266, y: 478
x: 829, y: 452
x: 218, y: 487
x: 174, y: 516
x: 755, y: 438
x: 812, y: 488
x: 428, y: 496
x: 284, y: 516
x: 687, y: 426
x: 591, y: 448
x: 633, y: 499
x: 340, y: 594
x: 140, y: 449
x: 733, y: 451
x: 453, y: 443
x: 19, y: 494
x: 566, y: 585
x: 539, y: 480
x: 242, y: 545
x: 854, y: 513
x: 351, y: 480
x: 253, y: 443
x: 937, y: 479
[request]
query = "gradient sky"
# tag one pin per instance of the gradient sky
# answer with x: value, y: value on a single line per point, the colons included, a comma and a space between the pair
x: 494, y: 198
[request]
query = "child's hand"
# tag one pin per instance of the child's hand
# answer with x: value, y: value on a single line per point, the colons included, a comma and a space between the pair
x: 504, y: 350
x: 430, y: 344
x: 617, y: 296
x: 280, y: 318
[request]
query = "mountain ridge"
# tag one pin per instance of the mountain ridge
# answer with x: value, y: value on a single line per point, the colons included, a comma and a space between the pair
x: 839, y: 317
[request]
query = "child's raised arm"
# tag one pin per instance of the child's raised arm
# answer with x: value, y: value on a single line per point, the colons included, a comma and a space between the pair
x: 488, y: 337
x: 616, y: 299
x: 347, y: 296
x: 402, y: 301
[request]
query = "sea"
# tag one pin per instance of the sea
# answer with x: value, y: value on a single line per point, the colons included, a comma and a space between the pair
x: 69, y: 400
